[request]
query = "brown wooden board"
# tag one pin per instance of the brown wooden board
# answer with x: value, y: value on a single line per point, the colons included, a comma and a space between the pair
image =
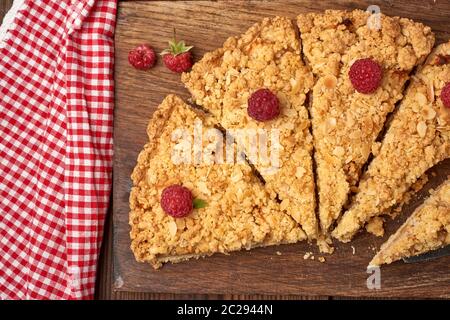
x: 206, y: 25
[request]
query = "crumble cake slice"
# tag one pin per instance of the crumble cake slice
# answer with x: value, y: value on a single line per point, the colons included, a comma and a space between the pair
x: 427, y: 229
x: 418, y: 138
x: 346, y: 123
x: 267, y: 56
x: 239, y: 212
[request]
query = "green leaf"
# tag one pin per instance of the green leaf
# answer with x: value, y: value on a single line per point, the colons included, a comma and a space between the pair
x: 166, y: 51
x: 199, y: 203
x: 186, y: 49
x: 176, y: 48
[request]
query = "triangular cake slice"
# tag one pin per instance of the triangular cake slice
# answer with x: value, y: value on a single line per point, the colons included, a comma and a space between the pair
x: 345, y: 122
x: 417, y: 138
x: 267, y: 56
x: 239, y: 214
x: 427, y: 229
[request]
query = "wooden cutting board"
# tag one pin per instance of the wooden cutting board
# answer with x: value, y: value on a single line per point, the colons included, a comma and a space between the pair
x: 273, y: 270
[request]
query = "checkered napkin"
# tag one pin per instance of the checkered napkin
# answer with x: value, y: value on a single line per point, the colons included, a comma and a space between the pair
x: 56, y: 108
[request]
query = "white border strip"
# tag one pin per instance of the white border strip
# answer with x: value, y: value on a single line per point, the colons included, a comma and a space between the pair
x: 9, y: 18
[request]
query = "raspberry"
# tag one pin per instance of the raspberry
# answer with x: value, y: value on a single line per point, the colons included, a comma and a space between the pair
x: 142, y: 57
x: 445, y: 95
x: 177, y: 57
x: 176, y: 201
x: 178, y: 63
x: 263, y: 105
x: 365, y: 75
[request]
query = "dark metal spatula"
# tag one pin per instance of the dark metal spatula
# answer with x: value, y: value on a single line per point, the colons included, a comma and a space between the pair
x: 439, y: 253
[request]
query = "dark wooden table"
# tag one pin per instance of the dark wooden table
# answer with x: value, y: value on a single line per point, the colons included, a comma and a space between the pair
x: 104, y: 280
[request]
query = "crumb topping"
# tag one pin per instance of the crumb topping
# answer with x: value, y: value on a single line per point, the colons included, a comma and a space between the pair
x: 375, y: 226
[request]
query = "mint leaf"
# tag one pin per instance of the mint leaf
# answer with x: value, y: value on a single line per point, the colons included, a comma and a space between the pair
x: 199, y: 203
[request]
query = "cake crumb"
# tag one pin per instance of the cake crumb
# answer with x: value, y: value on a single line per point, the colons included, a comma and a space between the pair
x: 322, y: 259
x: 420, y: 183
x: 375, y: 226
x: 307, y: 255
x: 324, y: 243
x: 353, y: 250
x: 278, y: 253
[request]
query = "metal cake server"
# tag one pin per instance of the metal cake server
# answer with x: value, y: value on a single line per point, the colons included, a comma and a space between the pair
x: 439, y: 253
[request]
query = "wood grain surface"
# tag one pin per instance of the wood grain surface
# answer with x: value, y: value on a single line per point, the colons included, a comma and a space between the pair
x: 4, y: 7
x: 206, y: 25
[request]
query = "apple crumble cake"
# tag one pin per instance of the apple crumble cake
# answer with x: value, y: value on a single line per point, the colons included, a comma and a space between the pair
x: 428, y: 228
x: 360, y: 71
x: 236, y: 211
x: 226, y: 81
x: 417, y: 139
x: 258, y: 102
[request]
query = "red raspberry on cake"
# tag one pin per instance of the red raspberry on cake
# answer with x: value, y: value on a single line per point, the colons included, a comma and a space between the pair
x: 445, y: 95
x: 177, y: 201
x: 263, y: 105
x: 365, y: 75
x: 142, y: 57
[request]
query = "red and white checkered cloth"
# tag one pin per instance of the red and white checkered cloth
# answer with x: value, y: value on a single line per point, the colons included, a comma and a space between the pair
x: 56, y: 108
